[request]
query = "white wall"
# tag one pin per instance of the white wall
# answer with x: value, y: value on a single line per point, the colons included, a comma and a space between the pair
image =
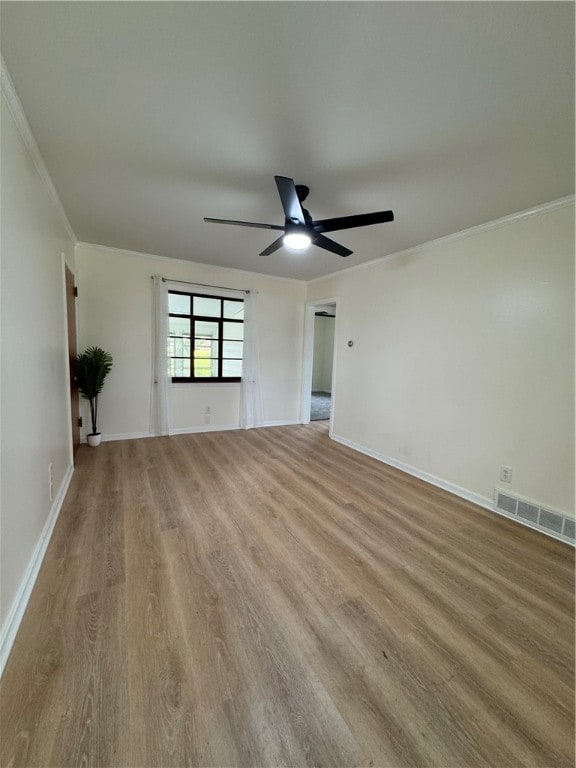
x: 463, y: 357
x: 323, y: 353
x: 115, y: 312
x: 34, y: 403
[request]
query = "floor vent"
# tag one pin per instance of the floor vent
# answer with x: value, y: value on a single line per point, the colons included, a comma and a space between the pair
x: 530, y: 513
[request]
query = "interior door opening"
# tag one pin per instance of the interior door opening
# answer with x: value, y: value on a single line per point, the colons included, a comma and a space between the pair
x: 318, y: 377
x: 322, y: 363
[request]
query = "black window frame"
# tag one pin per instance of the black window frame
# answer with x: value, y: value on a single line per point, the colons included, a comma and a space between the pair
x: 220, y: 379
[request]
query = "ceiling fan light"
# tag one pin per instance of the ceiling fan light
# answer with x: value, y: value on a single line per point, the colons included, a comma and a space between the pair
x: 297, y: 241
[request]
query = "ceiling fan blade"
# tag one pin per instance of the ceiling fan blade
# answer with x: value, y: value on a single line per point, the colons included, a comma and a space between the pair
x: 244, y: 223
x: 330, y: 245
x: 273, y: 246
x: 289, y: 197
x: 348, y: 222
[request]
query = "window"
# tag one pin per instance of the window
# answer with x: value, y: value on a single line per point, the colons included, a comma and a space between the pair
x: 205, y: 337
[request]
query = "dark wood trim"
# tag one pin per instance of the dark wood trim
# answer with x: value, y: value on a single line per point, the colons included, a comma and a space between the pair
x: 71, y: 294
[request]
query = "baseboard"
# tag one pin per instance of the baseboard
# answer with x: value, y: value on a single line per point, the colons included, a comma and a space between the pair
x: 280, y: 423
x: 18, y: 607
x: 475, y: 498
x: 205, y: 428
x: 229, y: 427
x: 445, y: 485
x: 124, y: 436
x: 191, y: 430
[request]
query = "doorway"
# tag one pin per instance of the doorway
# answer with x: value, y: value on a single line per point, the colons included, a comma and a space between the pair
x: 318, y: 364
x: 322, y: 363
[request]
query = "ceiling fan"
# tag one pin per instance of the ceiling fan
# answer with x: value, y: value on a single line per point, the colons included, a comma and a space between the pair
x: 299, y: 229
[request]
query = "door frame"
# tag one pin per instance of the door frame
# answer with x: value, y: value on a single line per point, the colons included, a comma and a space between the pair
x: 308, y: 359
x: 74, y: 429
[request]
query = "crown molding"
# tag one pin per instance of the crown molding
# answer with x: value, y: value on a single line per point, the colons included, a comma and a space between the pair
x: 554, y: 205
x: 19, y: 116
x: 171, y: 259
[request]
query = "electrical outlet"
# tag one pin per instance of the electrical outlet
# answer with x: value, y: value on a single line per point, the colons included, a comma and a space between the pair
x: 207, y: 410
x: 506, y: 474
x: 50, y: 481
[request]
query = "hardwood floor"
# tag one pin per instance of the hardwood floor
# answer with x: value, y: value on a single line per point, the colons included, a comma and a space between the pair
x: 272, y: 598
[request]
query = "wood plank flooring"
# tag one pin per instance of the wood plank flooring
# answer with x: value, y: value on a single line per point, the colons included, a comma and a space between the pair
x: 271, y: 598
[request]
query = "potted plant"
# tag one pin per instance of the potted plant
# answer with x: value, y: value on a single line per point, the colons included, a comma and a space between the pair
x: 91, y: 368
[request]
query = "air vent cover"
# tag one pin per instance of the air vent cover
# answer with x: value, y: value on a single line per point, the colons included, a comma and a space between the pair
x: 528, y: 511
x: 569, y: 528
x: 532, y: 514
x: 551, y: 520
x: 506, y: 503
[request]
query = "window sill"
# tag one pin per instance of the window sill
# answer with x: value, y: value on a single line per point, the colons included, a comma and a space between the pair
x: 209, y: 384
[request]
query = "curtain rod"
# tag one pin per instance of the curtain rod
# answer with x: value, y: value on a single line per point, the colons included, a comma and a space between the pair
x: 203, y: 285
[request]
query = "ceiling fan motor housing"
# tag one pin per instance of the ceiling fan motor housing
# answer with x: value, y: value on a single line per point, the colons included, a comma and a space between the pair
x: 302, y: 191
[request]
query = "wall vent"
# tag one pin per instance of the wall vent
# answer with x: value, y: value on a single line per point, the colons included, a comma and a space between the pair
x: 569, y: 528
x: 506, y: 503
x: 530, y: 513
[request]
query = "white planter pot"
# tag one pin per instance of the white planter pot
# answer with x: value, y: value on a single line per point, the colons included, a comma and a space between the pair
x: 94, y: 440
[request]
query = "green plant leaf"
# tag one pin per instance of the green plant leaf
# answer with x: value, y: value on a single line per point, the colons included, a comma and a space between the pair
x: 91, y: 368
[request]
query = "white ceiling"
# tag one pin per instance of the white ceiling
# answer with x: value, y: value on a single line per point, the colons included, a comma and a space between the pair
x: 152, y: 115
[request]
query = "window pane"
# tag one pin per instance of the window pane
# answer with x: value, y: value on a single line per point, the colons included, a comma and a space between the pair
x: 210, y: 307
x: 205, y: 330
x: 178, y: 347
x: 205, y: 348
x: 205, y: 367
x: 179, y: 367
x: 179, y: 304
x: 232, y: 349
x: 234, y: 310
x: 234, y: 331
x: 231, y: 367
x: 179, y: 326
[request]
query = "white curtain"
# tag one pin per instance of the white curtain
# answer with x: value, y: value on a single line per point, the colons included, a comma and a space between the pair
x: 251, y: 408
x: 160, y: 401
